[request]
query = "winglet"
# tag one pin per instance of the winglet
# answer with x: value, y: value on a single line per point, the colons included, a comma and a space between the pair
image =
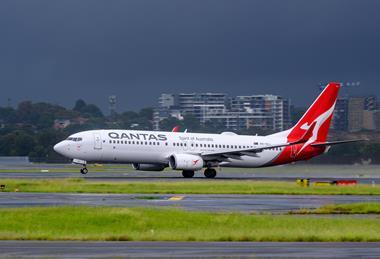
x: 175, y: 129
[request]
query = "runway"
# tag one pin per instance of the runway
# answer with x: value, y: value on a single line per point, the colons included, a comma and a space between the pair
x: 176, y: 176
x: 212, y: 202
x: 188, y: 249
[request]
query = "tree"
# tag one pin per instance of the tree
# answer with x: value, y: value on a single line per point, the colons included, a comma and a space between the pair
x: 87, y: 110
x: 79, y: 105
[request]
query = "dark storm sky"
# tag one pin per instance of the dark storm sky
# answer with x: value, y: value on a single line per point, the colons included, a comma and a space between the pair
x: 62, y: 50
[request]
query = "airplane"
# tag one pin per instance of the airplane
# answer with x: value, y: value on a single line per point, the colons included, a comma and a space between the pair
x: 190, y: 152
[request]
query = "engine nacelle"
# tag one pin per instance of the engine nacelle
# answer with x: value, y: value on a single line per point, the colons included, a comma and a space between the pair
x: 148, y: 167
x: 186, y: 162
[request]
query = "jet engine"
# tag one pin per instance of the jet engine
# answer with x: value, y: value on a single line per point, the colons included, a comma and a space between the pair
x: 148, y: 167
x: 186, y: 162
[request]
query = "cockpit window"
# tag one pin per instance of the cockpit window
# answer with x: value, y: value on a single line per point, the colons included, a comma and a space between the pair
x: 74, y: 139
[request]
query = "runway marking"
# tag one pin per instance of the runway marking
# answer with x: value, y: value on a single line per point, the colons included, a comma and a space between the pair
x: 176, y: 198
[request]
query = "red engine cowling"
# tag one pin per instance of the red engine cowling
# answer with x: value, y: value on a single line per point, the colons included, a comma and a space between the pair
x: 186, y: 162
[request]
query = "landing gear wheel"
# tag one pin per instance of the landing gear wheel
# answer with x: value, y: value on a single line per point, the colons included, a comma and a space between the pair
x: 187, y: 173
x: 210, y: 173
x: 84, y: 170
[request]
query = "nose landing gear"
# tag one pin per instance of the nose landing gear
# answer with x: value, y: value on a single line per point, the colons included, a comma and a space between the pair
x: 84, y: 170
x: 82, y: 163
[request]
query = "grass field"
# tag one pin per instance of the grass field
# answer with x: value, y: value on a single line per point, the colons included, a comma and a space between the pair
x: 78, y: 185
x: 354, y: 208
x: 100, y: 223
x: 301, y: 168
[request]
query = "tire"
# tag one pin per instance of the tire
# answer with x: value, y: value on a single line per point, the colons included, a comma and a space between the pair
x: 84, y: 171
x: 210, y: 173
x: 187, y: 174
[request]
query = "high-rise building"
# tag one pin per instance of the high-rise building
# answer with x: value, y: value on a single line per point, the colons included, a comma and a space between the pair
x: 355, y: 113
x: 370, y: 103
x: 340, y: 118
x: 268, y: 112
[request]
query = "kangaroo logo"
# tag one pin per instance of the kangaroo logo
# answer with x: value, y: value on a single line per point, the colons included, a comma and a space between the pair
x: 319, y: 121
x: 195, y: 162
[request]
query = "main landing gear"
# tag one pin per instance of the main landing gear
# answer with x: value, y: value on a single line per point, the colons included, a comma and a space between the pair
x: 84, y: 170
x: 210, y: 173
x: 187, y: 173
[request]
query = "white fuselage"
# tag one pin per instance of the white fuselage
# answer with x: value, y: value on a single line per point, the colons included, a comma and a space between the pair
x: 154, y: 147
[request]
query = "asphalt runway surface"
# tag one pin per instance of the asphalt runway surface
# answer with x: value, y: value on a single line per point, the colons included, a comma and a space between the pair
x: 212, y: 202
x: 176, y: 176
x: 68, y: 249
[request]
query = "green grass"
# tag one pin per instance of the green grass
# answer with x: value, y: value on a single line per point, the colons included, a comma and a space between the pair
x: 78, y: 185
x: 142, y: 224
x: 303, y: 169
x: 353, y: 208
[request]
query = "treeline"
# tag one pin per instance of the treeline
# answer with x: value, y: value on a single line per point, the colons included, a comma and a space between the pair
x: 32, y: 129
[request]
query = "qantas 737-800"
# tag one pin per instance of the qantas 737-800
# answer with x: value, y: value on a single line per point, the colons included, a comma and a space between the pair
x: 190, y: 152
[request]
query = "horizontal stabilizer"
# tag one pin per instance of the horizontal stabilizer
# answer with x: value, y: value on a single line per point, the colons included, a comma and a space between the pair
x: 321, y: 144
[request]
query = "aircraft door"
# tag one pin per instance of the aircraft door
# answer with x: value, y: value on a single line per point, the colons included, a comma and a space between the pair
x: 97, y: 141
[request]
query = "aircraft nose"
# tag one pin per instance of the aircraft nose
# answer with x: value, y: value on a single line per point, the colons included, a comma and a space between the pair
x: 59, y: 147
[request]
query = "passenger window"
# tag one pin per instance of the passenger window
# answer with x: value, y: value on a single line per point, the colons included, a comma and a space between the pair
x: 110, y: 141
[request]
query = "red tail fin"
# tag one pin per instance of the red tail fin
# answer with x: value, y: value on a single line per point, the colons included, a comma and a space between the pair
x: 320, y: 113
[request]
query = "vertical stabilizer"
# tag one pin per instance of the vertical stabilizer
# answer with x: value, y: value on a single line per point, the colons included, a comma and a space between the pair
x: 320, y: 113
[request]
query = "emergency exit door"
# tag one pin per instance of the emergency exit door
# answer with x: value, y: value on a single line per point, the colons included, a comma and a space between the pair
x: 97, y: 141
